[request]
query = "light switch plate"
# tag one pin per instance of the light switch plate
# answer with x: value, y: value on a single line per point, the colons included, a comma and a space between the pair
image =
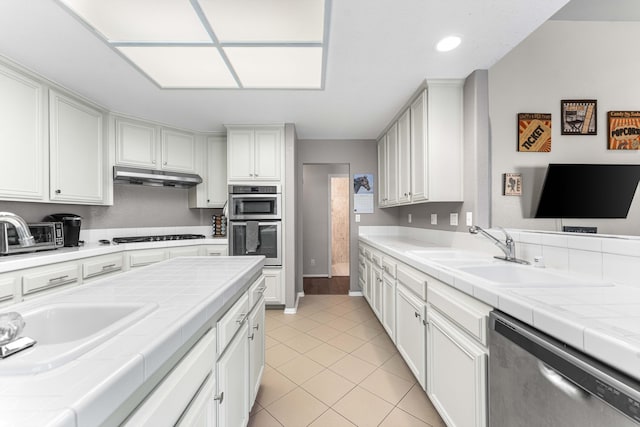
x: 409, y: 218
x: 434, y: 219
x: 357, y: 217
x: 453, y: 219
x: 469, y: 219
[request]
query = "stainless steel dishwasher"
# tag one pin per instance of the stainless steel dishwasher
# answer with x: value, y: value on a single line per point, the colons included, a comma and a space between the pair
x: 536, y: 381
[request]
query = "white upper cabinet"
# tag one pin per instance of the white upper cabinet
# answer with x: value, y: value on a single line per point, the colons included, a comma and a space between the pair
x: 212, y: 193
x: 424, y: 161
x: 254, y: 153
x: 144, y: 145
x: 382, y: 171
x: 22, y: 164
x: 77, y: 161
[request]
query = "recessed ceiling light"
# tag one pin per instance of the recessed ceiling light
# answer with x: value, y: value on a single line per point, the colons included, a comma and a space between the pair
x: 448, y: 43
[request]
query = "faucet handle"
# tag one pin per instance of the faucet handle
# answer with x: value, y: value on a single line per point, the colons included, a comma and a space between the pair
x: 11, y: 325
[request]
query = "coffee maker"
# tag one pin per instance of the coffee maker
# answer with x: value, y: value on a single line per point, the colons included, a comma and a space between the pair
x: 70, y: 227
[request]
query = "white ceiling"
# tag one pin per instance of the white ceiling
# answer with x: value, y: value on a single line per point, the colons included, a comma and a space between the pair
x: 379, y: 53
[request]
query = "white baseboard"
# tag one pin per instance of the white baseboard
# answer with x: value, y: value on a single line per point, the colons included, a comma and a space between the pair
x: 355, y: 293
x: 294, y: 309
x: 316, y: 275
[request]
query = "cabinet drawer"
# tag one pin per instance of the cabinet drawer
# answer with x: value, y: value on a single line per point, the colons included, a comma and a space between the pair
x: 188, y: 251
x: 466, y: 312
x: 367, y: 254
x: 49, y: 278
x: 216, y: 251
x: 389, y: 267
x: 376, y: 257
x: 167, y: 402
x: 361, y: 250
x: 103, y: 265
x: 232, y: 321
x: 413, y: 280
x: 7, y: 288
x: 138, y: 259
x: 256, y: 291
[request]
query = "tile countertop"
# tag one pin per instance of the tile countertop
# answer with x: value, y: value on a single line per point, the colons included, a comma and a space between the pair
x: 36, y: 259
x: 189, y: 292
x: 600, y: 318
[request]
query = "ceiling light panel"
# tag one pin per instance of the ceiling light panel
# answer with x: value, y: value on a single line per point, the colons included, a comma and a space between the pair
x: 141, y: 20
x: 266, y: 21
x: 181, y: 67
x: 277, y: 67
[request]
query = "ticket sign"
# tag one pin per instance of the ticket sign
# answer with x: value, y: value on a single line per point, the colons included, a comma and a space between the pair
x: 534, y: 132
x: 624, y: 130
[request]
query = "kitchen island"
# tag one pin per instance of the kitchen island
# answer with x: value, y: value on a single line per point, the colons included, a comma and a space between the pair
x: 184, y: 299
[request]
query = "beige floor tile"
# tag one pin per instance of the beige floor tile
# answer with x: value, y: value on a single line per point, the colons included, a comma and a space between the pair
x: 373, y: 354
x: 362, y: 408
x: 272, y: 323
x: 397, y: 366
x: 263, y: 419
x: 283, y: 333
x: 256, y: 408
x: 303, y: 343
x: 322, y: 316
x: 325, y: 354
x: 296, y: 409
x: 300, y: 369
x: 346, y: 342
x: 361, y: 315
x: 279, y: 354
x: 365, y: 331
x: 342, y: 324
x: 270, y: 342
x: 387, y: 386
x: 352, y: 368
x: 331, y: 419
x: 274, y: 385
x: 304, y: 324
x: 398, y: 417
x: 328, y: 387
x: 339, y: 309
x: 323, y: 332
x: 418, y: 404
x: 385, y: 342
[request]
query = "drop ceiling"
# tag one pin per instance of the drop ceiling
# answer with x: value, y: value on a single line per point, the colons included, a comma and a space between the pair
x: 377, y: 53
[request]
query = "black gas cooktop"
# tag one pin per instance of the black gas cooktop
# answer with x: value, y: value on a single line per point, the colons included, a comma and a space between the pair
x: 136, y: 239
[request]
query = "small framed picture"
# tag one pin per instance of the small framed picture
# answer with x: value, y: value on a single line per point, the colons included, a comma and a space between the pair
x: 534, y: 132
x: 512, y: 184
x: 624, y: 130
x: 579, y: 117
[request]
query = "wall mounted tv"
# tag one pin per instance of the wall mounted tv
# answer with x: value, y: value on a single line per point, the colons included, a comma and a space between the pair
x: 588, y: 191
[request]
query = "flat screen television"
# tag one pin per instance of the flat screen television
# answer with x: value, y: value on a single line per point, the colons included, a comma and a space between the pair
x: 588, y: 191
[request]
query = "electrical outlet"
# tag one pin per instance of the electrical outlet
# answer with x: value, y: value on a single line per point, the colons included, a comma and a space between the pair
x: 357, y: 217
x: 312, y: 262
x: 453, y: 219
x: 434, y: 219
x: 409, y: 218
x: 469, y: 219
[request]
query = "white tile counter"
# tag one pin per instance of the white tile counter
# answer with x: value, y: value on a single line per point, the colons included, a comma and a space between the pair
x: 189, y: 293
x: 599, y: 317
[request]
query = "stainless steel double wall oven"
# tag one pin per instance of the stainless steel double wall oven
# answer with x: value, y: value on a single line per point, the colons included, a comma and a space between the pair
x: 255, y: 222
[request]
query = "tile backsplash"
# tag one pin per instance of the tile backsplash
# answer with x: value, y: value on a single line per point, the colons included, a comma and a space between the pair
x: 599, y: 257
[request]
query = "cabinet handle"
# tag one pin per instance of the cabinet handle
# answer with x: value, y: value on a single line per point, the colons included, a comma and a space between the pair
x: 56, y: 279
x: 219, y: 397
x: 153, y: 161
x: 58, y: 191
x: 164, y: 163
x: 261, y: 289
x: 257, y: 327
x: 406, y: 194
x: 424, y: 322
x: 105, y: 267
x: 255, y: 174
x: 251, y: 336
x: 241, y: 318
x: 250, y: 174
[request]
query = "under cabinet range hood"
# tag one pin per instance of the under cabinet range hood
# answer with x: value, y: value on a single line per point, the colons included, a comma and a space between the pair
x: 155, y: 178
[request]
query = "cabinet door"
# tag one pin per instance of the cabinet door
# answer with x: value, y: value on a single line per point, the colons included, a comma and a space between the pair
x: 273, y: 281
x: 457, y: 373
x: 411, y: 332
x: 419, y: 149
x: 376, y: 292
x: 392, y: 165
x: 136, y: 144
x: 268, y: 151
x: 184, y: 251
x: 389, y: 306
x: 382, y: 171
x: 240, y: 154
x: 201, y: 411
x: 256, y: 349
x: 8, y: 283
x: 232, y: 377
x: 219, y: 250
x: 76, y: 151
x: 404, y: 158
x: 178, y: 151
x: 22, y: 142
x: 368, y: 280
x: 216, y: 171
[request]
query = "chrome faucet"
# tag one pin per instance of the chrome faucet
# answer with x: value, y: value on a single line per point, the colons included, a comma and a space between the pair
x: 22, y: 229
x: 508, y: 246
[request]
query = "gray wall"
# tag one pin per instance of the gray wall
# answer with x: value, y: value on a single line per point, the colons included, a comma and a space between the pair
x: 133, y: 206
x: 362, y: 157
x: 315, y: 211
x: 561, y: 60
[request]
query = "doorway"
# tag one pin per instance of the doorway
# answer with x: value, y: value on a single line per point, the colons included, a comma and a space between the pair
x: 325, y: 228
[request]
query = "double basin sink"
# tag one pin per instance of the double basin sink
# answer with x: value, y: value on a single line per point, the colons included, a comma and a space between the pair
x: 65, y: 331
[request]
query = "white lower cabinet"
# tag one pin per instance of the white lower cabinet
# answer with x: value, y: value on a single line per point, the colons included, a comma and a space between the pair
x: 232, y: 383
x: 184, y: 251
x: 101, y: 266
x: 202, y: 410
x: 376, y: 291
x: 256, y: 349
x: 273, y: 276
x: 8, y: 282
x: 215, y: 250
x: 145, y: 257
x: 457, y: 374
x: 411, y: 332
x: 389, y: 306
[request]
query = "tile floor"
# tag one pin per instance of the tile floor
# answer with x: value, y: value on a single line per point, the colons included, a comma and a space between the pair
x: 333, y: 365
